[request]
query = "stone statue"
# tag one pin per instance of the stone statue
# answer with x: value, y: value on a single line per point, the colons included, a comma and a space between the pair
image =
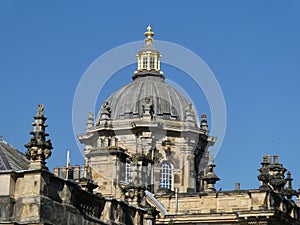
x: 105, y: 111
x: 148, y: 109
x: 40, y: 111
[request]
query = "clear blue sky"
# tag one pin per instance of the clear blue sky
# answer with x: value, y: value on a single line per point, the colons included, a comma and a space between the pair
x: 253, y: 48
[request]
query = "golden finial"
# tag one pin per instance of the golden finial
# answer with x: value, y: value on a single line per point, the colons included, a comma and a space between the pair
x: 149, y: 35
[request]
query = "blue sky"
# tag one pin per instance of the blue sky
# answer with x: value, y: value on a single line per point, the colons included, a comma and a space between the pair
x: 253, y: 48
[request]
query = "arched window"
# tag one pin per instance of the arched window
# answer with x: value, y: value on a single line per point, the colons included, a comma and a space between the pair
x: 128, y: 171
x: 166, y: 176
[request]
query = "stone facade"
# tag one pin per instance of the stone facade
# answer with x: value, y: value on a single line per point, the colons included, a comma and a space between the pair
x: 150, y: 119
x: 146, y: 162
x: 36, y: 196
x: 229, y: 207
x: 39, y: 197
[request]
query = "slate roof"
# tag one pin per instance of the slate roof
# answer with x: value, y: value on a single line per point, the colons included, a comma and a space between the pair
x: 11, y: 158
x: 167, y: 101
x: 149, y: 47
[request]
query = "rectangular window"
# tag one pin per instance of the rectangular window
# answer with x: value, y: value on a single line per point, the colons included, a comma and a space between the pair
x: 139, y: 64
x: 144, y: 63
x: 128, y: 171
x: 152, y: 63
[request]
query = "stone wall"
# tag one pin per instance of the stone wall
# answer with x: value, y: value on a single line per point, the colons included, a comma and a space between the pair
x: 159, y: 140
x: 39, y: 197
x: 229, y: 207
x: 220, y: 202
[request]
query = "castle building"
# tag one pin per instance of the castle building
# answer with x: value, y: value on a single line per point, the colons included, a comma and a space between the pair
x: 147, y: 133
x: 147, y: 162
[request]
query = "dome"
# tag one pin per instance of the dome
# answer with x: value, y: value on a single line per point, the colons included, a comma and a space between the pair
x: 148, y: 93
x: 130, y: 100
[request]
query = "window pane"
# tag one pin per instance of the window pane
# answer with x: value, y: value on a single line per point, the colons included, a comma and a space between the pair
x: 166, y: 176
x: 144, y: 63
x: 127, y: 172
x: 152, y: 63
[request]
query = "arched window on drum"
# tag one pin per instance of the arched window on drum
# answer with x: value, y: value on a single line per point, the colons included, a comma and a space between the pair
x: 166, y: 175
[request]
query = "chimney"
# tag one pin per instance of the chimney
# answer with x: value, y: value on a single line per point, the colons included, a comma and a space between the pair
x: 64, y: 172
x: 76, y: 172
x: 269, y: 159
x: 237, y: 186
x: 70, y: 173
x: 56, y: 171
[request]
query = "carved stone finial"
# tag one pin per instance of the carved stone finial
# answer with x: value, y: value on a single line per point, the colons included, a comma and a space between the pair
x: 204, y: 124
x: 38, y: 148
x: 90, y: 121
x: 289, y: 192
x: 211, y: 178
x: 264, y: 176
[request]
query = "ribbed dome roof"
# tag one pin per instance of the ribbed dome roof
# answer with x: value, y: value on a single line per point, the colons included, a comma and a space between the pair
x: 148, y: 93
x: 128, y: 101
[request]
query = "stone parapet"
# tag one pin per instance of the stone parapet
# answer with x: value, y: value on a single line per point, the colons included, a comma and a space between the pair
x: 39, y: 197
x: 228, y: 207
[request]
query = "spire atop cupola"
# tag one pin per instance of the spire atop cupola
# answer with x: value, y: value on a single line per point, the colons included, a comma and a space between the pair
x: 148, y: 58
x: 149, y: 35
